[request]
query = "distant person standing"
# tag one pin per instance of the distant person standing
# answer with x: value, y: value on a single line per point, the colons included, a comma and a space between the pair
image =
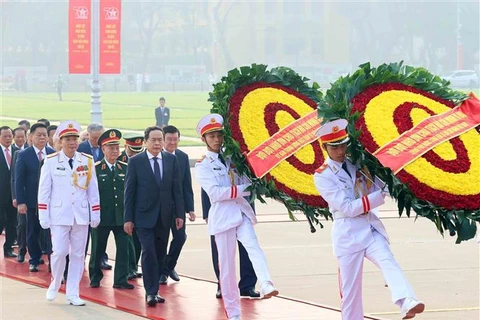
x: 139, y: 82
x: 68, y: 185
x: 59, y: 86
x: 162, y: 114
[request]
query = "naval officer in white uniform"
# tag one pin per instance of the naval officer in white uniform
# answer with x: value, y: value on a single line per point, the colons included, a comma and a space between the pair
x: 68, y: 202
x: 357, y: 231
x: 231, y: 217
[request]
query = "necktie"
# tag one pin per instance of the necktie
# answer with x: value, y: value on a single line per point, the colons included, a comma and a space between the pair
x: 113, y: 169
x: 344, y: 167
x: 156, y: 169
x: 40, y: 155
x: 95, y: 153
x: 70, y: 162
x: 222, y: 160
x: 9, y: 156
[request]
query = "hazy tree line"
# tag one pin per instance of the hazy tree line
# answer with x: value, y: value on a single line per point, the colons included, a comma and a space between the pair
x: 158, y: 33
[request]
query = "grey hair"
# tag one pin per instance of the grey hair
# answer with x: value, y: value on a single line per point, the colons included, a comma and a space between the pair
x: 94, y: 127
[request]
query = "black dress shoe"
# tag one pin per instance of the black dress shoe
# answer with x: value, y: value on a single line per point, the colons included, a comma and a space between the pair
x: 123, y: 286
x: 41, y: 261
x: 151, y: 300
x: 163, y: 279
x: 20, y: 258
x: 218, y: 295
x: 132, y: 275
x: 94, y: 284
x: 174, y: 275
x: 10, y: 254
x: 139, y: 274
x: 105, y: 266
x: 250, y: 293
x: 160, y: 299
x: 33, y: 268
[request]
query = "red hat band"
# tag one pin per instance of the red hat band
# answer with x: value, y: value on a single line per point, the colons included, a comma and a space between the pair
x: 210, y: 127
x: 335, y: 136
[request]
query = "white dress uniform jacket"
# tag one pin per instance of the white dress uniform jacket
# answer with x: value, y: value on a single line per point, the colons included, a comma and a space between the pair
x: 223, y: 186
x: 351, y: 227
x: 65, y: 195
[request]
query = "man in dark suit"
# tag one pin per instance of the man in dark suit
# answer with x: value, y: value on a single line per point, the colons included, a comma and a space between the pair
x: 27, y: 176
x: 162, y: 114
x: 248, y: 278
x: 8, y: 214
x: 172, y: 137
x: 90, y: 146
x: 153, y: 198
x: 133, y: 146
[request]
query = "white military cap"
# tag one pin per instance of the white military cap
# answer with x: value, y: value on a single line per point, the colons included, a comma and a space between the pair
x: 334, y: 132
x: 210, y: 123
x: 68, y: 128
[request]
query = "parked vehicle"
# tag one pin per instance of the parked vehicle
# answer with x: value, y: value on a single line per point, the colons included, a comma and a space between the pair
x: 463, y: 78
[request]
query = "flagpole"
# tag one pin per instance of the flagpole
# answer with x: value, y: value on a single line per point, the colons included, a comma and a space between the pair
x: 96, y: 104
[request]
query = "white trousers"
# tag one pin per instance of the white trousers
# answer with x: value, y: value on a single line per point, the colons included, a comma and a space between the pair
x: 351, y: 268
x: 227, y: 245
x: 69, y: 240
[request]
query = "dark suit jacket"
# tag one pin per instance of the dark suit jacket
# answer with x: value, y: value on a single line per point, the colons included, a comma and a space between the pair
x: 185, y: 179
x: 146, y: 198
x: 85, y: 148
x: 5, y: 178
x: 27, y: 175
x: 162, y: 117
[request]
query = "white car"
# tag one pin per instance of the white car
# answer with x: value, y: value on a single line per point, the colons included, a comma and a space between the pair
x: 463, y: 78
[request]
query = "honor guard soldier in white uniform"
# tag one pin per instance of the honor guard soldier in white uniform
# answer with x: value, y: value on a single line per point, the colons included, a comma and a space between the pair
x: 68, y: 201
x: 231, y: 217
x: 357, y: 232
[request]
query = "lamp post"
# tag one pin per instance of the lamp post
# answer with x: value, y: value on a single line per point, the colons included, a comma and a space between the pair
x: 96, y: 104
x: 459, y: 41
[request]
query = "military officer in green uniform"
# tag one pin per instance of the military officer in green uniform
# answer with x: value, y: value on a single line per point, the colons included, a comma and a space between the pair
x: 111, y: 178
x: 133, y: 146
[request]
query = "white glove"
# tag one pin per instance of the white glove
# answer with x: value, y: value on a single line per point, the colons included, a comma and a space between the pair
x: 45, y: 224
x: 241, y: 190
x: 94, y: 223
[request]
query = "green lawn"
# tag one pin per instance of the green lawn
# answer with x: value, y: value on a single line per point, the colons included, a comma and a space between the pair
x: 123, y: 110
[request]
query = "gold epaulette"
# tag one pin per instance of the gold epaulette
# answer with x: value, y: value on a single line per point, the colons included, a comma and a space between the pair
x: 201, y: 159
x: 87, y: 155
x: 98, y: 162
x: 124, y: 163
x: 322, y: 168
x: 51, y: 155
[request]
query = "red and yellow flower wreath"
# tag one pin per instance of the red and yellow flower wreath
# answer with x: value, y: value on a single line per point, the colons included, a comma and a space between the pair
x: 257, y: 103
x: 381, y: 104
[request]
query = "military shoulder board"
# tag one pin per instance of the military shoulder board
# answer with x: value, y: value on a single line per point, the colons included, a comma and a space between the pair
x: 51, y: 155
x: 123, y: 163
x: 87, y: 155
x: 201, y: 159
x: 322, y: 168
x: 97, y: 163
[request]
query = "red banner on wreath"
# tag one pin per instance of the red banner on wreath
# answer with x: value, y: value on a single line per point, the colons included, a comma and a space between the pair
x: 428, y: 134
x: 79, y: 22
x: 283, y: 144
x: 110, y: 18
